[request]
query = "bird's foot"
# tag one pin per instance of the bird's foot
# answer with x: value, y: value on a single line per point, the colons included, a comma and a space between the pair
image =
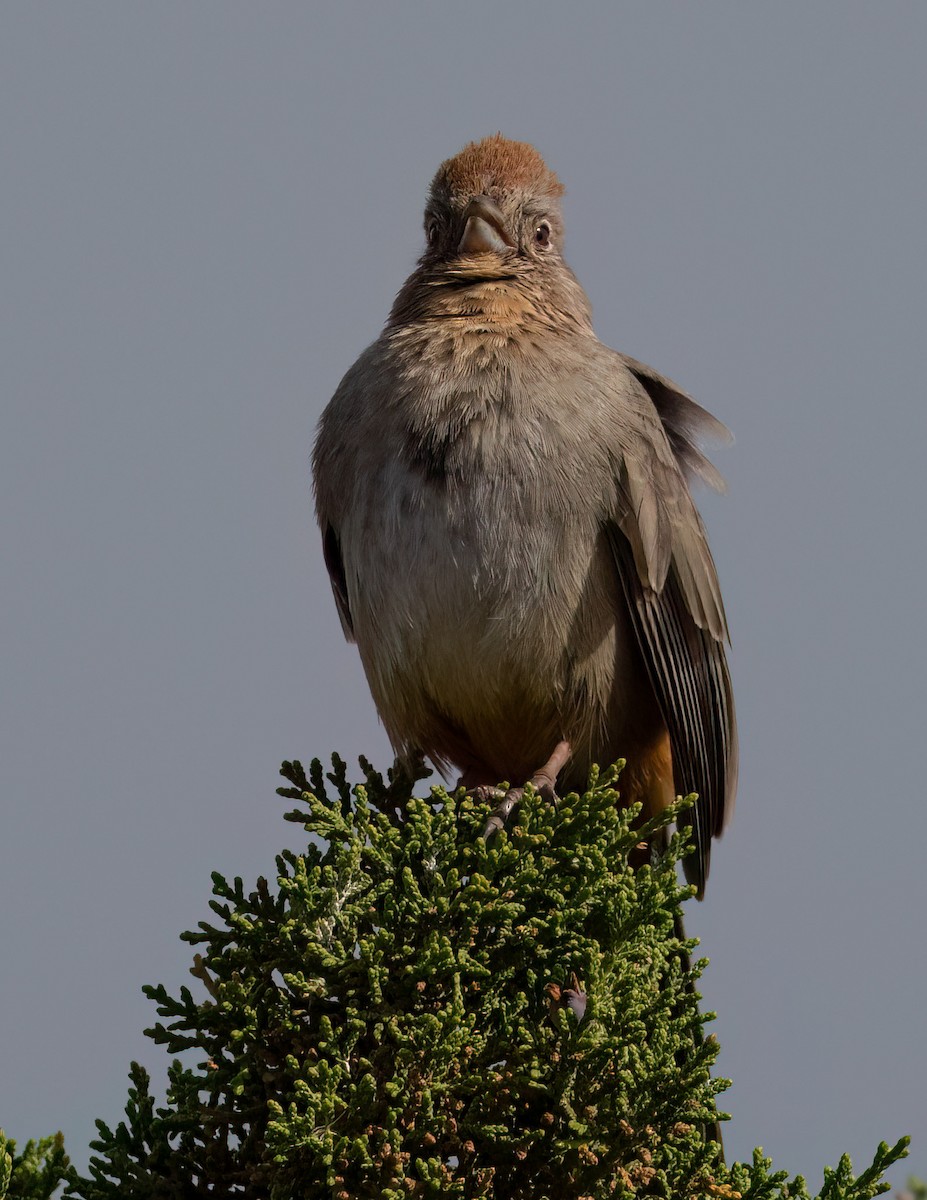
x: 543, y: 781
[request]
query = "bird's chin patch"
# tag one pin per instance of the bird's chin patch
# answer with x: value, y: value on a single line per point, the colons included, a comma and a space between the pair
x: 482, y: 266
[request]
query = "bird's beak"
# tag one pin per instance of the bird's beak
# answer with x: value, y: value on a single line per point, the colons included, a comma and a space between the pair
x: 484, y: 229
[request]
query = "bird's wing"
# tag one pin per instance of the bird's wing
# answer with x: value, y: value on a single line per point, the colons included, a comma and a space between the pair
x: 331, y: 548
x: 671, y: 591
x: 335, y: 462
x: 684, y: 421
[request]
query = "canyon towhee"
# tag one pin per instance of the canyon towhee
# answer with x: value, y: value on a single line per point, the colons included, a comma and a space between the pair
x: 507, y: 522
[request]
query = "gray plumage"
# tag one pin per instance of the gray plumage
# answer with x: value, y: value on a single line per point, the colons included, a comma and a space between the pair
x: 507, y: 523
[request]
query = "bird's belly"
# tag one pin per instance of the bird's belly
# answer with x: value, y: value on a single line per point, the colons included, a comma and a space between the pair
x: 489, y: 627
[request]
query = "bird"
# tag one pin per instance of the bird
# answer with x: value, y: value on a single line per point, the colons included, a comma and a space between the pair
x: 508, y: 525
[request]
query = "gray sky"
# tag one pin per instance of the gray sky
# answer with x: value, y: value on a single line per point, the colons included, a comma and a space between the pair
x: 206, y: 211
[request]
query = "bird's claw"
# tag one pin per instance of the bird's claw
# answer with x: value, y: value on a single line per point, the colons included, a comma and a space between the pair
x: 544, y: 782
x: 500, y: 814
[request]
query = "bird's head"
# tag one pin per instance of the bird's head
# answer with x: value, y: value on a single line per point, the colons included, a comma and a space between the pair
x: 494, y: 233
x: 493, y: 211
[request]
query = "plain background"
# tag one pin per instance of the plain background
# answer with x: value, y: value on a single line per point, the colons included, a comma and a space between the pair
x: 206, y: 211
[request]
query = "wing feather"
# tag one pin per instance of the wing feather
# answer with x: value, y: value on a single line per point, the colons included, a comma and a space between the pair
x: 331, y: 549
x: 688, y: 671
x: 671, y: 592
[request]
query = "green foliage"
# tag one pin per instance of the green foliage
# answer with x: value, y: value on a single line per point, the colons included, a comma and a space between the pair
x: 36, y: 1173
x: 381, y: 1022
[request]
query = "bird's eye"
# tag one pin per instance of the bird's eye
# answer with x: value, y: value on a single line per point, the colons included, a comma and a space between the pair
x: 432, y: 231
x: 542, y: 235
